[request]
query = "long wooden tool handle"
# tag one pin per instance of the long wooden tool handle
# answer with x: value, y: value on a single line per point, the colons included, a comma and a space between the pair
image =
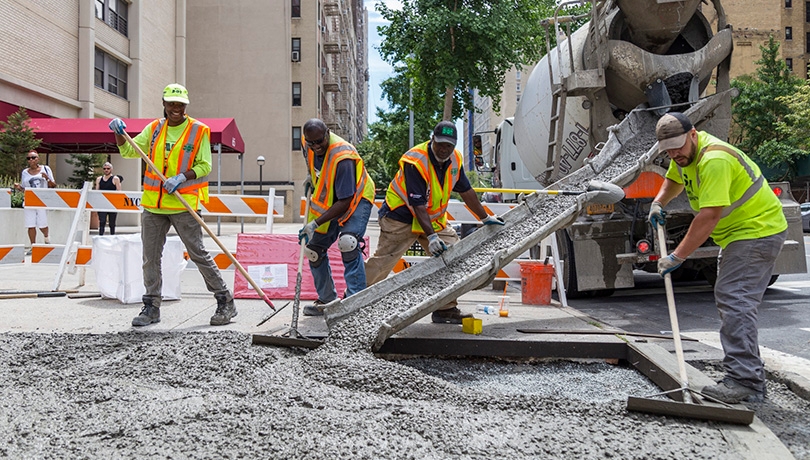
x: 199, y: 219
x: 299, y: 274
x: 673, y: 317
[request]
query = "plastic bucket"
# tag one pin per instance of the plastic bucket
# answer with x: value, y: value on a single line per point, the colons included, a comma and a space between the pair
x: 535, y: 282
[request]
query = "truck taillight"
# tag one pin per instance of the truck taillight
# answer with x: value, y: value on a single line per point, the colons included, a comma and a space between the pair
x: 777, y: 191
x: 643, y: 246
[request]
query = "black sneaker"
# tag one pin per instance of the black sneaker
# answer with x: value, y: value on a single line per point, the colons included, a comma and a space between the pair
x: 225, y: 310
x: 449, y: 316
x: 149, y: 314
x: 316, y: 309
x: 731, y: 392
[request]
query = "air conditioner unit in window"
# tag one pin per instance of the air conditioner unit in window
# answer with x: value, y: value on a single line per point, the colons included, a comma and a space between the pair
x: 323, y: 70
x: 296, y: 56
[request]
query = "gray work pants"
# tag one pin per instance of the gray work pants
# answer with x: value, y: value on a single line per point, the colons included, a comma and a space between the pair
x: 155, y: 227
x: 743, y: 273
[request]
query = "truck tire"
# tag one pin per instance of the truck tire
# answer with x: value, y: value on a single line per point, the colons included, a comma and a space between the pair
x: 566, y: 249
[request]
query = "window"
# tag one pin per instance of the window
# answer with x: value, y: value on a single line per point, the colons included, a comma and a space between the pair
x: 110, y: 74
x: 788, y: 33
x: 296, y: 94
x: 807, y: 43
x: 296, y: 8
x: 788, y: 3
x: 113, y: 13
x: 789, y: 62
x: 806, y: 12
x: 296, y: 46
x: 296, y: 138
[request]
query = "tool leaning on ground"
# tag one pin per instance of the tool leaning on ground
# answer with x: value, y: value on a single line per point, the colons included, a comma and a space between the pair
x: 600, y: 192
x: 199, y: 220
x: 691, y: 408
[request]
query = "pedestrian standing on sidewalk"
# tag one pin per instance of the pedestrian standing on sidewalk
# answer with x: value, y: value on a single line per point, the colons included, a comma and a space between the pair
x: 738, y: 210
x: 107, y: 181
x: 35, y: 176
x: 415, y: 208
x: 342, y: 197
x: 180, y: 147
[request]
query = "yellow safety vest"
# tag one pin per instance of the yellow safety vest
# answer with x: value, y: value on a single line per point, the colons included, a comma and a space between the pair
x: 180, y: 159
x: 438, y: 191
x: 323, y: 195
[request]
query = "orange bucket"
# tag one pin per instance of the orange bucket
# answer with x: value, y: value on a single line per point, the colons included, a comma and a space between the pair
x: 535, y: 282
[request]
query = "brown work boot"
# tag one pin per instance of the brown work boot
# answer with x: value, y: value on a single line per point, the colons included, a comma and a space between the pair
x: 149, y: 314
x: 225, y: 310
x: 449, y: 316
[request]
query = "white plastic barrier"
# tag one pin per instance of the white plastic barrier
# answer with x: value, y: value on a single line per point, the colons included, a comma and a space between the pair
x: 117, y: 260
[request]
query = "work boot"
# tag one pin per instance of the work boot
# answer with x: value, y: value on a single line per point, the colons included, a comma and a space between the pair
x: 449, y: 316
x: 316, y: 309
x: 225, y: 310
x: 731, y: 392
x: 149, y: 314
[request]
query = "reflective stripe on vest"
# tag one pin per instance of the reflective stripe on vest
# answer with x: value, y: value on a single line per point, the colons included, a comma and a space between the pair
x: 756, y: 182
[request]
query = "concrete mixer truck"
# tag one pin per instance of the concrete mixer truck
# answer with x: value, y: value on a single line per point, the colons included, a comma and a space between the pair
x: 654, y: 55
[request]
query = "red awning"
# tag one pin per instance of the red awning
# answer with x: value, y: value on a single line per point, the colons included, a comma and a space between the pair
x: 92, y: 135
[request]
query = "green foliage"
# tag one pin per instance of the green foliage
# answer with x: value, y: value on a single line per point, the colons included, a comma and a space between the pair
x: 17, y: 138
x: 17, y: 196
x: 452, y: 45
x: 84, y: 168
x: 764, y: 119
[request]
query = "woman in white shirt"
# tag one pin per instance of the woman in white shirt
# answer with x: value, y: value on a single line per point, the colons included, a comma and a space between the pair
x: 36, y: 176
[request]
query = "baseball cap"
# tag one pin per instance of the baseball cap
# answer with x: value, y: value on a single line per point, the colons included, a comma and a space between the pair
x: 175, y: 93
x: 671, y: 131
x: 445, y: 132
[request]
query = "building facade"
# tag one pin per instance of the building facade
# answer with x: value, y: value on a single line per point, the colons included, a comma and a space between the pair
x: 269, y: 65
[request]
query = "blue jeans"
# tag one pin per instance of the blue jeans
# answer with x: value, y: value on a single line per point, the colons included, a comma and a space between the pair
x: 354, y: 271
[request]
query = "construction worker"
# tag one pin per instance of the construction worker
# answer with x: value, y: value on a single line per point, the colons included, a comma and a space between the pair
x: 180, y: 147
x: 415, y: 208
x: 340, y: 205
x: 737, y: 208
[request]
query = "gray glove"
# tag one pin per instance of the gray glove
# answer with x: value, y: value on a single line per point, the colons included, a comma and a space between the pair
x: 669, y: 264
x: 435, y: 245
x: 657, y: 215
x: 493, y: 220
x: 172, y: 183
x: 118, y: 126
x: 307, y: 232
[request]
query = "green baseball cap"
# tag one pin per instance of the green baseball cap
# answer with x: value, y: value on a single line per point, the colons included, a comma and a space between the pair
x: 175, y: 93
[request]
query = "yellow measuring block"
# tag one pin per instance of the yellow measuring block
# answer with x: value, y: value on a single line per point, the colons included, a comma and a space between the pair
x: 471, y: 326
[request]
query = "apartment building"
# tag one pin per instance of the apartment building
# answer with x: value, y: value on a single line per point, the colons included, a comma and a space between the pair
x: 270, y: 65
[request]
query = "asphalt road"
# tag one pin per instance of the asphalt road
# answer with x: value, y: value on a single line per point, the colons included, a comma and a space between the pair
x: 784, y: 317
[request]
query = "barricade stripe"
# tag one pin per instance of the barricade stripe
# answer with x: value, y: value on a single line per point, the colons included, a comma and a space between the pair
x: 71, y: 198
x: 39, y: 254
x: 83, y: 255
x: 215, y: 205
x: 4, y: 252
x: 14, y: 254
x: 32, y: 200
x: 257, y: 205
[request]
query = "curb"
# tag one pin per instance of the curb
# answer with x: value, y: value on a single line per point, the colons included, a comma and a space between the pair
x: 797, y: 383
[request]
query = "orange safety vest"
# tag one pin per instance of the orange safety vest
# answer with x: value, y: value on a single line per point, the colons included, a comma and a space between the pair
x: 323, y: 195
x: 438, y: 191
x: 179, y: 159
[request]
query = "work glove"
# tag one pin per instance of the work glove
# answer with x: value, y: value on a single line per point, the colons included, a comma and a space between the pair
x: 307, y: 186
x: 493, y: 220
x: 668, y: 264
x: 657, y: 215
x: 307, y: 232
x: 118, y: 126
x: 436, y: 245
x: 172, y: 183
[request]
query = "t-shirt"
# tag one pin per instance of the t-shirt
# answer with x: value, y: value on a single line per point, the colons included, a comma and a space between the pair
x: 345, y: 177
x: 27, y: 180
x: 723, y: 180
x: 416, y: 186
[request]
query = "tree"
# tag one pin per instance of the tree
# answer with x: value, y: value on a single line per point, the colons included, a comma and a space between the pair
x: 762, y: 107
x: 453, y: 45
x: 17, y: 138
x: 84, y: 168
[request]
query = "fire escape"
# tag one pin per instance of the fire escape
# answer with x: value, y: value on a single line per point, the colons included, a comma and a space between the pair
x: 339, y: 69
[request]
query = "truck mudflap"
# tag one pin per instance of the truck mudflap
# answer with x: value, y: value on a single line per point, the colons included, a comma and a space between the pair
x: 474, y: 261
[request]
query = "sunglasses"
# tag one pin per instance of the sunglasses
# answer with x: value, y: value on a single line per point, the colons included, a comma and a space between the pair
x: 106, y: 169
x: 31, y: 158
x: 319, y: 141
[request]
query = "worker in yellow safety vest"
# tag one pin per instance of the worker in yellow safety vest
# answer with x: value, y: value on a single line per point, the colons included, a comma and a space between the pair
x: 415, y: 208
x: 181, y: 147
x: 340, y: 206
x: 739, y: 211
